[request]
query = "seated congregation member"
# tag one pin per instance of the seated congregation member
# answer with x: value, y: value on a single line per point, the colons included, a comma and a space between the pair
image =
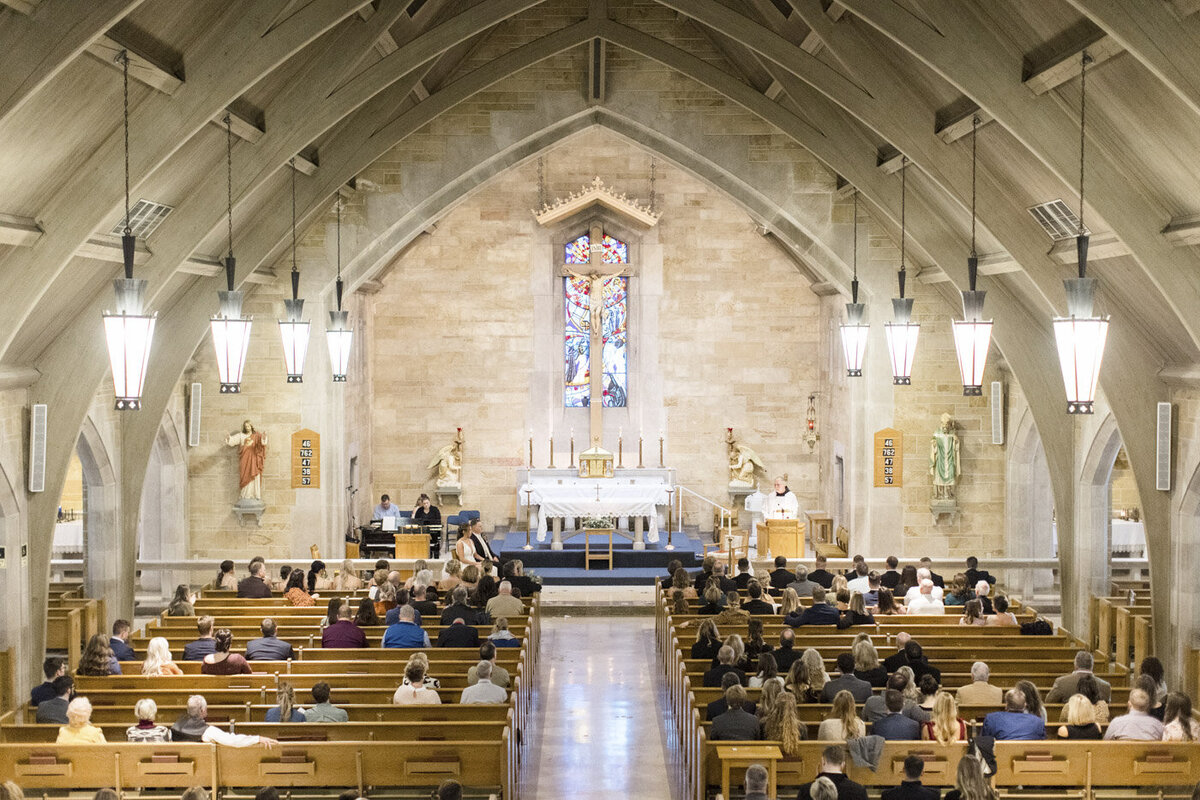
x: 756, y: 605
x: 54, y: 710
x: 422, y: 602
x: 504, y: 604
x: 744, y: 574
x: 886, y: 605
x: 782, y: 724
x: 323, y: 710
x: 681, y: 581
x: 866, y: 663
x: 343, y: 632
x: 890, y: 578
x: 1013, y: 723
x: 860, y: 690
x: 222, y: 661
x: 1081, y: 719
x: 756, y: 781
x: 767, y: 669
x: 458, y: 634
x: 286, y: 710
x: 736, y: 724
x: 718, y: 707
x: 255, y: 584
x: 385, y: 599
x: 193, y: 727
x: 714, y: 599
x: 726, y: 658
x: 832, y: 768
x: 911, y: 655
x: 280, y: 583
x: 733, y: 613
x: 724, y: 582
x: 946, y: 725
x: 819, y: 574
x: 146, y: 730
x: 673, y: 566
x: 378, y: 578
x: 843, y: 723
x: 927, y: 601
x: 910, y: 788
x: 1146, y: 684
x: 1088, y: 687
x: 786, y: 653
x: 331, y: 611
x: 500, y: 676
x: 781, y: 576
x: 1136, y: 724
x: 973, y: 614
x: 79, y: 728
x: 483, y: 690
x: 366, y: 617
x: 501, y: 636
x: 413, y: 690
x: 957, y: 593
x: 970, y: 783
x: 815, y: 664
x: 974, y: 574
x: 982, y: 589
x: 856, y: 614
x: 198, y: 648
x: 347, y: 580
x: 515, y: 572
x: 913, y: 591
x: 270, y: 647
x: 52, y: 668
x: 405, y: 632
x: 894, y: 725
x: 458, y: 608
x: 97, y: 658
x: 876, y: 707
x: 979, y: 692
x: 804, y: 688
x: 225, y: 579
x: 1178, y: 723
x: 1066, y: 685
x: 402, y: 600
x: 1003, y: 616
x: 295, y: 594
x: 909, y: 579
x: 318, y: 578
x: 485, y: 590
x: 158, y: 661
x: 803, y: 586
x: 861, y: 580
x: 1033, y: 699
x: 708, y: 641
x: 1153, y: 668
x: 819, y: 613
x: 420, y: 657
x: 119, y: 642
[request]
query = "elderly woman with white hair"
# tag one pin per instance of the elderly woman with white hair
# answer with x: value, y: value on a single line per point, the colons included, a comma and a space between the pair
x: 146, y: 730
x: 193, y: 727
x: 79, y: 728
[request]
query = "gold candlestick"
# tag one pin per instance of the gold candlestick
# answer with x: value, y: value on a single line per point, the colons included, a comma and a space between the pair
x: 551, y: 452
x: 640, y: 464
x: 572, y: 464
x: 661, y: 462
x: 620, y: 448
x: 531, y: 452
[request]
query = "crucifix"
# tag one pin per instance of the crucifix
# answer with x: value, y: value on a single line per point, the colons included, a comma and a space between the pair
x: 596, y: 272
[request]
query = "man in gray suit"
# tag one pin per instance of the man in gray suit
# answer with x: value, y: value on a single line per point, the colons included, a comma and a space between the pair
x: 855, y: 686
x: 55, y: 709
x: 802, y: 585
x: 736, y: 724
x: 269, y: 647
x: 1065, y: 685
x: 895, y: 725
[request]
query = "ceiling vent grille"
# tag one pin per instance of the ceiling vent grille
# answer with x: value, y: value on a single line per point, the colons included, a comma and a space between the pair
x: 144, y: 218
x: 1057, y: 220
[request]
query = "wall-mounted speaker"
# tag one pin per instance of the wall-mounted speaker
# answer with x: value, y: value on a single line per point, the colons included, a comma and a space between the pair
x: 997, y: 412
x: 1162, y: 443
x: 37, y: 447
x: 193, y: 421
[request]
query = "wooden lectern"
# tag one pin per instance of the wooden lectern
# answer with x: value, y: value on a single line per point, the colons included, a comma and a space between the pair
x: 412, y: 545
x: 781, y: 537
x: 821, y: 525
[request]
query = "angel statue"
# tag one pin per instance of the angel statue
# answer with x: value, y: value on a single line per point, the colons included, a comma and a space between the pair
x: 448, y: 463
x: 742, y: 462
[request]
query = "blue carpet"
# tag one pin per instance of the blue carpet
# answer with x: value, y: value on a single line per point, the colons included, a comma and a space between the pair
x: 630, y: 567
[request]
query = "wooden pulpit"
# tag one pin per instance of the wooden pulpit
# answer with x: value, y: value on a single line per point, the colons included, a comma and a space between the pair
x: 781, y: 537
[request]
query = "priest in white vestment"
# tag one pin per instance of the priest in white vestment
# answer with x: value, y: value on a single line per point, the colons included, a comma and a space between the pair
x: 781, y: 503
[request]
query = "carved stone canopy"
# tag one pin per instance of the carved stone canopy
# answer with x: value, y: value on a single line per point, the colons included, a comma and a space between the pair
x: 593, y: 194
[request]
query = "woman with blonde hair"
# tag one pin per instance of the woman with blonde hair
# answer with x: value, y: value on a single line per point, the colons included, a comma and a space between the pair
x: 10, y: 791
x: 771, y: 689
x: 782, y: 724
x: 385, y: 601
x: 286, y: 711
x: 855, y: 613
x: 347, y: 579
x: 970, y: 783
x: 145, y: 730
x: 817, y: 676
x: 422, y: 660
x: 911, y: 692
x: 158, y: 661
x: 79, y: 728
x: 714, y: 600
x: 799, y: 683
x: 789, y: 602
x: 451, y: 576
x: 1080, y: 715
x: 708, y: 641
x: 843, y: 723
x: 866, y: 663
x: 946, y: 726
x: 739, y: 648
x: 470, y: 576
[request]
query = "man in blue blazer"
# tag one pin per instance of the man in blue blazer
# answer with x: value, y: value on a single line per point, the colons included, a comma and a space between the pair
x: 896, y: 726
x: 819, y: 613
x: 1013, y: 723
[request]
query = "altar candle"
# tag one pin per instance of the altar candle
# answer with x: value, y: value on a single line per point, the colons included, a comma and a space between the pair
x: 661, y: 462
x: 531, y: 449
x: 620, y: 449
x: 552, y: 451
x: 639, y: 451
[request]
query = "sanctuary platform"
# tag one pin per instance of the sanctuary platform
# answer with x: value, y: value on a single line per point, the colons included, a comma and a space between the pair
x: 631, y: 567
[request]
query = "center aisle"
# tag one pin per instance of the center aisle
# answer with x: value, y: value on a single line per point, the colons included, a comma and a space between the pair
x: 599, y: 731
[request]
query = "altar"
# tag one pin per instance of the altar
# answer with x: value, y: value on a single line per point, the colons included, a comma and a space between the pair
x: 560, y: 494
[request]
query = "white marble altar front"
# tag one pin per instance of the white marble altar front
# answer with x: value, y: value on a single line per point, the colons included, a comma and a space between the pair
x: 560, y: 494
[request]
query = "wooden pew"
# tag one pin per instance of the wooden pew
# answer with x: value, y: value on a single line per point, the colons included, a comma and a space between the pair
x: 394, y: 730
x: 240, y: 713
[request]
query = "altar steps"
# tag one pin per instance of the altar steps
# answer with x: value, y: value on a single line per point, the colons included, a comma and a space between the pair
x: 630, y: 567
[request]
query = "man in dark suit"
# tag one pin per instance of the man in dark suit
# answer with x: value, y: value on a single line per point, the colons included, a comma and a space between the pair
x: 718, y: 707
x: 853, y: 572
x: 204, y: 645
x: 119, y: 642
x: 736, y: 724
x: 855, y: 686
x: 894, y: 725
x: 911, y: 655
x: 786, y: 653
x: 756, y: 605
x: 975, y: 574
x: 820, y: 575
x: 891, y: 578
x: 744, y: 575
x: 833, y: 764
x: 927, y: 563
x: 421, y: 602
x: 819, y: 613
x: 458, y: 608
x: 458, y: 634
x: 726, y: 583
x: 54, y: 710
x: 781, y: 576
x: 514, y: 571
x: 52, y: 667
x: 725, y: 664
x: 910, y: 788
x: 269, y: 647
x: 255, y: 585
x: 706, y: 570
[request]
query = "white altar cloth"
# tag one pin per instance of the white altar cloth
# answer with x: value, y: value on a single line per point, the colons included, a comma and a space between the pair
x: 1128, y: 538
x: 68, y: 538
x: 586, y: 497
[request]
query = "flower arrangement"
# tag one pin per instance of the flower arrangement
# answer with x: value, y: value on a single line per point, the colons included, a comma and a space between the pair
x: 599, y: 522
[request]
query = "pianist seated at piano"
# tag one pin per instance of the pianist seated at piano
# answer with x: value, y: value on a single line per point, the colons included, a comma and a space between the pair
x: 781, y: 503
x: 386, y: 508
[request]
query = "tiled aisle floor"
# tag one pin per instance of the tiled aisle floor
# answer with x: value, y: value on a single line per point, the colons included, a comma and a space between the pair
x: 599, y: 732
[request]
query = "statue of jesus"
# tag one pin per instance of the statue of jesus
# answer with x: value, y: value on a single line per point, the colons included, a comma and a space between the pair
x: 252, y: 454
x: 944, y: 463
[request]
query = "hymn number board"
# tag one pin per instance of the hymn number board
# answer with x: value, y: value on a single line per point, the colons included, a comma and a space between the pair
x: 889, y: 454
x: 306, y: 459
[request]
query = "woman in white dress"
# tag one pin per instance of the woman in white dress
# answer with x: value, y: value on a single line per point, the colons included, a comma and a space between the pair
x: 464, y: 548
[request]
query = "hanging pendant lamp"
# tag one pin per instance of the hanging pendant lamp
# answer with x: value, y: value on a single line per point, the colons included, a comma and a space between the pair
x: 902, y: 333
x: 339, y: 334
x: 293, y: 330
x: 230, y: 330
x: 854, y: 330
x: 128, y: 331
x: 973, y: 334
x: 1081, y: 335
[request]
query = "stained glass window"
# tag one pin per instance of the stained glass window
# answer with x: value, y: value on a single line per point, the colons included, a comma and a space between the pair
x: 578, y: 327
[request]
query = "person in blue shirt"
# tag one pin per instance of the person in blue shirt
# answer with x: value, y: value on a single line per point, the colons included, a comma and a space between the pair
x: 406, y: 632
x: 1013, y: 723
x: 286, y: 711
x: 819, y: 613
x: 385, y: 508
x: 121, y: 630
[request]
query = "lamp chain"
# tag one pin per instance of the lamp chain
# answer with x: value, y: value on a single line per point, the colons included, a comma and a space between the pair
x: 293, y: 163
x: 124, y: 57
x: 653, y: 192
x: 229, y: 177
x: 339, y: 237
x: 974, y: 134
x: 903, y: 199
x: 856, y: 235
x: 1085, y: 59
x: 541, y: 184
